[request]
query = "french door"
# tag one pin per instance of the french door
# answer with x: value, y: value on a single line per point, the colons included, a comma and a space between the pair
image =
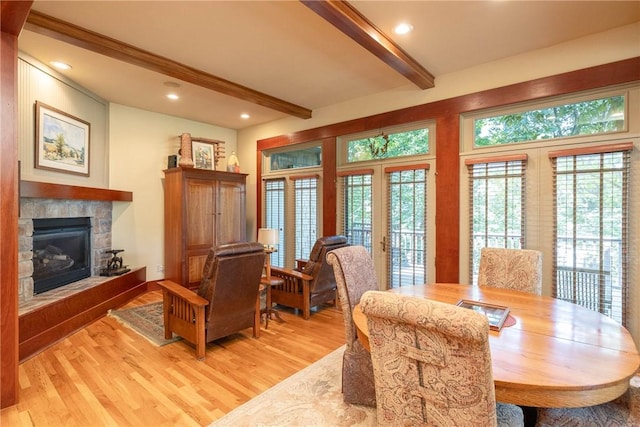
x: 385, y: 209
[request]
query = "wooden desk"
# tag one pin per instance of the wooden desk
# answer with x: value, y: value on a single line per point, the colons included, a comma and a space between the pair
x: 556, y: 355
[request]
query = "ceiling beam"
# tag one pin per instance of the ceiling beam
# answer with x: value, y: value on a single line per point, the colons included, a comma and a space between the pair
x: 98, y: 43
x: 355, y: 25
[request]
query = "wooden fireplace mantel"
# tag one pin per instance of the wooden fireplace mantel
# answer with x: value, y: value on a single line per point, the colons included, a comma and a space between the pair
x: 45, y: 190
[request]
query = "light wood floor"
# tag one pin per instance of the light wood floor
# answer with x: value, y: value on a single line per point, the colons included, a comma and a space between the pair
x: 106, y: 374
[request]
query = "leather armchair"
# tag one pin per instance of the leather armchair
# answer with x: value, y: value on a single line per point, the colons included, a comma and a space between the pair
x: 226, y: 300
x: 313, y: 284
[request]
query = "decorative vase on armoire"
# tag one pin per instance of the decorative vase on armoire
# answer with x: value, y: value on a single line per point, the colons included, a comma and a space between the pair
x: 233, y: 165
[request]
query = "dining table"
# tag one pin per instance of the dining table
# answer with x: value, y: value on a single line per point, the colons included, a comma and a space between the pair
x: 550, y: 353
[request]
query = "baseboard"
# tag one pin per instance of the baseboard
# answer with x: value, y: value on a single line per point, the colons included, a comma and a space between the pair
x: 45, y: 326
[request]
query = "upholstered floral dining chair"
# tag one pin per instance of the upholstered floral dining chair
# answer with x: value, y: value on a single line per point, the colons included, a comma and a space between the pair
x: 623, y: 411
x: 432, y: 364
x: 354, y: 272
x: 517, y: 269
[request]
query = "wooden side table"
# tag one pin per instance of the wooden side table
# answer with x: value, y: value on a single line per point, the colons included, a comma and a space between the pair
x: 258, y: 313
x: 268, y: 310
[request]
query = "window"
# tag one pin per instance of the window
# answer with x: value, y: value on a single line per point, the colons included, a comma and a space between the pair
x: 561, y: 120
x: 388, y: 144
x: 382, y: 199
x: 305, y: 214
x: 496, y: 206
x: 590, y: 227
x: 357, y: 214
x: 291, y: 200
x: 294, y: 159
x: 407, y: 225
x: 274, y: 215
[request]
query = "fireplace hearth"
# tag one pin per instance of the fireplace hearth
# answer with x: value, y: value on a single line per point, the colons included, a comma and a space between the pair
x: 61, y: 252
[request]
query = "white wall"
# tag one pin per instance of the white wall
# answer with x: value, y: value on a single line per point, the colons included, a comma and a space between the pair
x: 140, y: 142
x: 38, y: 82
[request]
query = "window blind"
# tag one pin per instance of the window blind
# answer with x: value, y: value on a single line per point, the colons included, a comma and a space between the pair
x: 274, y: 215
x: 406, y: 241
x: 305, y: 214
x: 496, y: 205
x: 355, y: 209
x: 590, y: 232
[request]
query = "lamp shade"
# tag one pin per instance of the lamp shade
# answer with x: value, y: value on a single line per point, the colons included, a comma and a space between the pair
x: 268, y: 236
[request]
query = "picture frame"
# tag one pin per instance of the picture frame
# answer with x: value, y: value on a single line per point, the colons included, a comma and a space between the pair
x: 496, y: 314
x: 203, y: 155
x: 62, y: 141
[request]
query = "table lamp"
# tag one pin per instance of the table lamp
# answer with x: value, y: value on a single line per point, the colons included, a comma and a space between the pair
x: 268, y: 237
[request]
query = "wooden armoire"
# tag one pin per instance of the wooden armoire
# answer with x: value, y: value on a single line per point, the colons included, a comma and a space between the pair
x: 202, y: 209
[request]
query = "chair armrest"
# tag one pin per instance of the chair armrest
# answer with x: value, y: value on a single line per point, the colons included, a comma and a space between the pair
x: 278, y: 271
x: 184, y: 293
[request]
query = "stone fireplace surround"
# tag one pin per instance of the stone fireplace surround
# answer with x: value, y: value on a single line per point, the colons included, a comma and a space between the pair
x: 100, y: 214
x: 49, y: 317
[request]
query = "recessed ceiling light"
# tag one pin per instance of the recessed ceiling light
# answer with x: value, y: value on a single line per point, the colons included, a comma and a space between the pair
x: 60, y: 65
x: 403, y: 28
x: 171, y: 84
x: 172, y: 96
x: 244, y: 116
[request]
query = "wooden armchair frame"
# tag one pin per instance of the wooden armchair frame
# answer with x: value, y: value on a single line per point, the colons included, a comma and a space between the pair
x: 187, y: 306
x: 314, y: 284
x: 226, y: 302
x: 288, y: 292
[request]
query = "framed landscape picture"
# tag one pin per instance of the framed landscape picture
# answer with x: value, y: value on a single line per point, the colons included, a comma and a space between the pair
x: 496, y: 314
x: 62, y: 141
x: 202, y: 154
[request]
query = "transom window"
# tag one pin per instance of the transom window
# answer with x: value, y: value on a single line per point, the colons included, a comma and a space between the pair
x: 561, y: 120
x: 294, y: 159
x: 389, y: 143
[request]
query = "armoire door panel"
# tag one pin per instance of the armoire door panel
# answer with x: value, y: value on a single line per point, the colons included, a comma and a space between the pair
x: 231, y: 218
x: 196, y: 264
x: 200, y: 213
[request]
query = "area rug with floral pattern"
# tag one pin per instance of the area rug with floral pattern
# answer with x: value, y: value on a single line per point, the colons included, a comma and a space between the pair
x: 147, y: 320
x: 310, y: 397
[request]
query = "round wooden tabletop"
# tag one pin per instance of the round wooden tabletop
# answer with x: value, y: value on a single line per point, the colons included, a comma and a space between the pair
x: 557, y: 354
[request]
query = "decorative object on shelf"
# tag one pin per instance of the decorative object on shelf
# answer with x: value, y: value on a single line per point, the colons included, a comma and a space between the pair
x: 172, y: 161
x: 268, y: 237
x: 186, y: 161
x: 233, y: 165
x: 201, y: 153
x: 62, y: 141
x: 114, y: 265
x: 378, y: 145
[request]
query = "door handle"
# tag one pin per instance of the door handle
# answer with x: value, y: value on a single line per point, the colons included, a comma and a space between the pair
x: 383, y: 243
